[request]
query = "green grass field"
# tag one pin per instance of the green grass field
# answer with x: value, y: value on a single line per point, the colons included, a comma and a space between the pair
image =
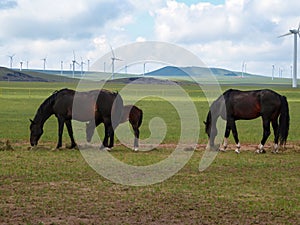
x: 58, y: 187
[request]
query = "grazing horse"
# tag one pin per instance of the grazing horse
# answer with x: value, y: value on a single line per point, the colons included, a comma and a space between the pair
x: 246, y: 105
x: 68, y: 104
x: 131, y: 113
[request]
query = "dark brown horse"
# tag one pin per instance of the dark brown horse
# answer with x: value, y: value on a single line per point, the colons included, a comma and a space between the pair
x: 246, y: 105
x: 131, y: 113
x: 68, y: 104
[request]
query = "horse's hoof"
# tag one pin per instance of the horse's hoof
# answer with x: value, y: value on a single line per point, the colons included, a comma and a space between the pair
x: 135, y: 149
x: 260, y: 151
x: 213, y: 148
x: 72, y: 146
x: 105, y: 148
x: 31, y: 148
x: 222, y: 149
x: 237, y: 151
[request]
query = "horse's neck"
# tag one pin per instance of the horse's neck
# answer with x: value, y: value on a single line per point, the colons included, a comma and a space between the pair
x: 42, y: 115
x: 218, y: 108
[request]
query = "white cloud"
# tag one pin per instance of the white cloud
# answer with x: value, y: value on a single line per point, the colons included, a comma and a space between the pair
x: 225, y: 35
x: 34, y: 28
x: 222, y: 35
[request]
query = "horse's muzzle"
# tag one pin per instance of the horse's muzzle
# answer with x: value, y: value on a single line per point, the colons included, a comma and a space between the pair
x: 33, y: 143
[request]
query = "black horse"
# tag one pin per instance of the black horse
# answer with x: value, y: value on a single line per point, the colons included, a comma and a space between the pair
x: 246, y: 105
x: 131, y: 113
x: 68, y: 104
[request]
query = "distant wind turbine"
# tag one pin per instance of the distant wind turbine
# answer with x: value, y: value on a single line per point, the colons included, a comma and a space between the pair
x: 81, y: 66
x: 113, y: 59
x: 11, y: 58
x: 73, y: 63
x: 88, y: 61
x: 21, y: 65
x: 295, y: 32
x: 45, y: 60
x: 61, y: 67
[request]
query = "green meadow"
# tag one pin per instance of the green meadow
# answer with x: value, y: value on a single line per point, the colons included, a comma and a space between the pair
x: 47, y: 186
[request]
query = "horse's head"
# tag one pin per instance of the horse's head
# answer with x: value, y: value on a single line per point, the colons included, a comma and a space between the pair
x: 36, y: 131
x: 210, y: 129
x: 90, y: 129
x: 207, y: 124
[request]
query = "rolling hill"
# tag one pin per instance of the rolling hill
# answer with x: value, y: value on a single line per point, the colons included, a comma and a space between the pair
x: 180, y: 74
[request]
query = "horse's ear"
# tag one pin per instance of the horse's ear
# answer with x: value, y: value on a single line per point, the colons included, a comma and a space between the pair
x: 31, y: 120
x: 204, y: 123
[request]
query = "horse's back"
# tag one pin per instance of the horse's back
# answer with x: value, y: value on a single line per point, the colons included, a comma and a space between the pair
x: 251, y: 104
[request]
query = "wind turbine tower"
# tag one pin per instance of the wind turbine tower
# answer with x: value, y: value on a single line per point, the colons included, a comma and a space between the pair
x: 21, y: 65
x: 11, y: 59
x: 73, y: 63
x: 61, y: 67
x: 113, y: 59
x: 44, y: 65
x: 81, y: 66
x: 295, y: 32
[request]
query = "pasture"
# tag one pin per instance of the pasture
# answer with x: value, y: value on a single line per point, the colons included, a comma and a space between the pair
x: 43, y: 186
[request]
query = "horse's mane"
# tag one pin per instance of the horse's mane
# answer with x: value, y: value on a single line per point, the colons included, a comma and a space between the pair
x: 49, y: 101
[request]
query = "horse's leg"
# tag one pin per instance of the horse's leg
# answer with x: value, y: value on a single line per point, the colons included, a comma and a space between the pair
x: 266, y: 134
x: 111, y: 135
x: 235, y: 135
x: 276, y: 135
x: 105, y: 140
x: 227, y: 133
x: 90, y: 128
x: 70, y: 131
x: 60, y: 131
x: 108, y: 134
x: 136, y: 138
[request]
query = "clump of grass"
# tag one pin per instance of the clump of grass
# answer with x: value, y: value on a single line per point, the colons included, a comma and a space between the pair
x: 6, y: 146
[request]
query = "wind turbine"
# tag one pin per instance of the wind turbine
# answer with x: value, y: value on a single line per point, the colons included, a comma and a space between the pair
x: 81, y: 66
x: 73, y: 63
x: 113, y: 58
x: 295, y: 32
x: 45, y: 60
x: 21, y: 65
x: 88, y: 61
x: 61, y: 67
x: 11, y: 59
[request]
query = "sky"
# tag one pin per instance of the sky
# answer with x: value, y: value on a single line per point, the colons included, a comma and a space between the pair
x: 223, y: 33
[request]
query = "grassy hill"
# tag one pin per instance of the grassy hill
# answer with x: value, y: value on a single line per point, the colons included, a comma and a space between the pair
x: 200, y: 74
x: 208, y: 75
x: 31, y: 76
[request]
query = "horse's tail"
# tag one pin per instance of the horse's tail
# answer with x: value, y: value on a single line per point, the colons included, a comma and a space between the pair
x: 141, y: 118
x: 117, y: 110
x: 284, y: 121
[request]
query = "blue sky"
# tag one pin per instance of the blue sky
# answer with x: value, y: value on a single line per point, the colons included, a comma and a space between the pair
x: 222, y: 33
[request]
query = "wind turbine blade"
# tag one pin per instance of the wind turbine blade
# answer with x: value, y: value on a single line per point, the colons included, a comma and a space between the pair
x: 285, y: 35
x: 112, y: 51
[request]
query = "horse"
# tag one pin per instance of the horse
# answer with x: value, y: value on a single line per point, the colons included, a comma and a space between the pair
x: 67, y: 104
x: 131, y: 113
x: 235, y: 105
